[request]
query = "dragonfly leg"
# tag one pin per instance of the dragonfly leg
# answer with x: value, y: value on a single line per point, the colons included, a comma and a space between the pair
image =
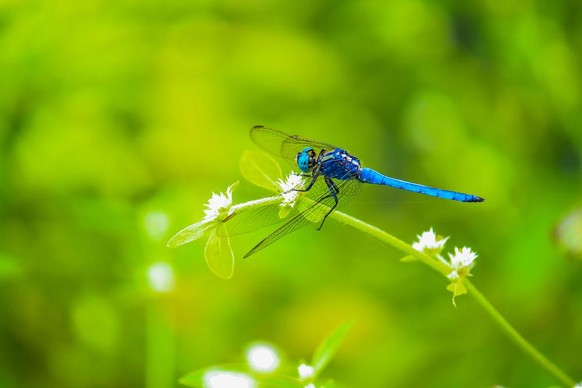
x: 332, y: 186
x: 333, y: 192
x: 310, y: 185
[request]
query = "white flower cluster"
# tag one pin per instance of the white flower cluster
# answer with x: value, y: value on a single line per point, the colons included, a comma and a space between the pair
x: 219, y: 206
x: 430, y: 243
x: 289, y: 189
x: 460, y: 262
x: 305, y: 371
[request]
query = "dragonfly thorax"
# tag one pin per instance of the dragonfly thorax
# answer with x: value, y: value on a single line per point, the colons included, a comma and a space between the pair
x: 306, y: 159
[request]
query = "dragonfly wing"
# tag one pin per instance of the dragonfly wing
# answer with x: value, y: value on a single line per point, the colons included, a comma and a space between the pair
x: 313, y: 213
x: 313, y: 209
x: 270, y: 212
x: 282, y: 144
x: 256, y: 217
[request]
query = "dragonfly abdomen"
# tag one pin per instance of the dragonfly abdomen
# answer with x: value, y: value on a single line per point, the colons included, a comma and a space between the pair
x: 370, y: 176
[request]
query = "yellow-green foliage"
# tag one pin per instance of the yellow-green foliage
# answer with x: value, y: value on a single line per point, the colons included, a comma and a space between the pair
x: 118, y: 119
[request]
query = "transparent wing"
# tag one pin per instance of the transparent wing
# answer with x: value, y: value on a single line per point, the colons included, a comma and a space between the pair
x: 282, y: 144
x: 313, y: 205
x: 313, y: 211
x: 270, y: 212
x: 256, y: 217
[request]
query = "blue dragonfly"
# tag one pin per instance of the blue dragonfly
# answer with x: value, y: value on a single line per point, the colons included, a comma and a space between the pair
x: 333, y: 177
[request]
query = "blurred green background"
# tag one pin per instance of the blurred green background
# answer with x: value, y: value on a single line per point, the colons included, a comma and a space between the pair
x: 118, y: 120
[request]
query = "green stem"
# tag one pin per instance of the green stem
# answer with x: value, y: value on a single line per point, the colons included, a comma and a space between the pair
x: 518, y: 338
x: 256, y: 202
x: 391, y: 240
x: 444, y: 270
x: 160, y: 344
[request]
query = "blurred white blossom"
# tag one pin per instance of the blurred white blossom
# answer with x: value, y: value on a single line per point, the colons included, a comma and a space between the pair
x: 305, y: 371
x: 461, y: 262
x: 227, y: 379
x: 430, y: 243
x: 262, y: 358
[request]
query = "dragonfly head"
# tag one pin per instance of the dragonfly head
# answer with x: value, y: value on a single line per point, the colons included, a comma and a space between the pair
x: 306, y: 159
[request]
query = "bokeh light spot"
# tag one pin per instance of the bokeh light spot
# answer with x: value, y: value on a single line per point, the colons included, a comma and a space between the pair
x: 263, y: 358
x: 161, y: 277
x: 305, y: 371
x: 226, y: 379
x: 156, y: 224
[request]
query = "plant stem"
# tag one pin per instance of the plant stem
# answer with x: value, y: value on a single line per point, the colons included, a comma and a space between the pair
x: 160, y: 344
x: 391, y: 240
x: 256, y: 202
x: 478, y: 297
x: 516, y: 337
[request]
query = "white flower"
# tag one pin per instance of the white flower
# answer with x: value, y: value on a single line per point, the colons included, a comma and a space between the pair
x: 579, y: 385
x: 218, y: 252
x: 430, y: 243
x: 306, y: 371
x: 219, y: 206
x: 461, y: 262
x: 289, y: 189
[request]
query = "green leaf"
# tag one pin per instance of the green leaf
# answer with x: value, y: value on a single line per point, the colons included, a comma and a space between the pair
x: 457, y: 288
x: 329, y: 346
x: 188, y: 234
x: 218, y: 253
x: 261, y: 169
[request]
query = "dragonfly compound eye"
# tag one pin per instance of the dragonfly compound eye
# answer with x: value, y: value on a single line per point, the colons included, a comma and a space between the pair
x: 306, y: 159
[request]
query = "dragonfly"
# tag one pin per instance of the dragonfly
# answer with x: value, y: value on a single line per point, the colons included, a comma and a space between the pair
x: 333, y: 178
